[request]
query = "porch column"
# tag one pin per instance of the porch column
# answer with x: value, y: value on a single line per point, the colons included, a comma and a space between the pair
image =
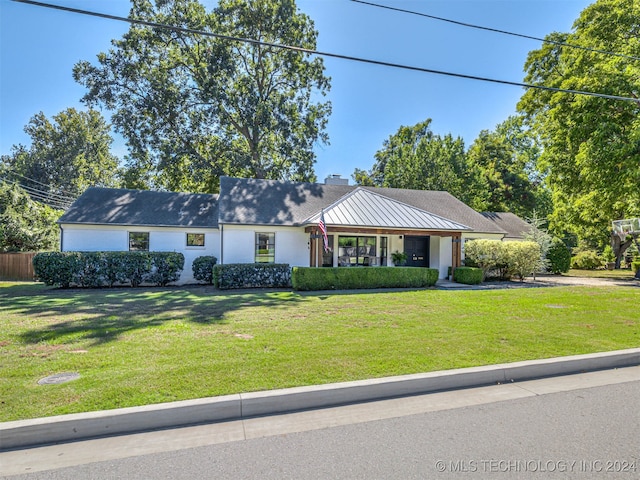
x: 313, y: 259
x: 456, y: 250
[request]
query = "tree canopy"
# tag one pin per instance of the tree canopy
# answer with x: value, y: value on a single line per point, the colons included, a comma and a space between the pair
x: 505, y: 162
x: 416, y: 158
x: 25, y: 225
x: 193, y: 107
x: 498, y: 172
x: 591, y: 145
x: 67, y: 155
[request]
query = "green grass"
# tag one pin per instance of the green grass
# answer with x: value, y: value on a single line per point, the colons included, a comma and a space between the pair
x: 601, y: 273
x: 141, y: 346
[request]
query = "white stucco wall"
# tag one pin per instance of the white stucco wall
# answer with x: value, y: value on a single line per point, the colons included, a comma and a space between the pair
x: 96, y: 238
x: 291, y: 244
x: 440, y: 255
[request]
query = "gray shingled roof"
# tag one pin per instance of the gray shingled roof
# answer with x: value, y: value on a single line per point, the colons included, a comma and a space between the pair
x: 272, y: 202
x: 515, y: 227
x: 109, y: 206
x: 366, y: 208
x: 250, y: 201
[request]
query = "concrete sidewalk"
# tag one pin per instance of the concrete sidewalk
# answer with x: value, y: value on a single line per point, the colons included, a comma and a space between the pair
x: 75, y: 427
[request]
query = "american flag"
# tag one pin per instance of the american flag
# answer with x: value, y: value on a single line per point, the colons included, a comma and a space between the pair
x: 323, y: 228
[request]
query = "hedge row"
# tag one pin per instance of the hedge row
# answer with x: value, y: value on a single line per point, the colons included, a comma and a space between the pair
x: 635, y: 266
x: 467, y: 275
x: 106, y: 269
x: 308, y: 278
x: 252, y: 275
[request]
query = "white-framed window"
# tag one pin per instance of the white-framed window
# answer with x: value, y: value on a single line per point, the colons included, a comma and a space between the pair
x: 265, y: 247
x: 195, y: 239
x: 138, y: 241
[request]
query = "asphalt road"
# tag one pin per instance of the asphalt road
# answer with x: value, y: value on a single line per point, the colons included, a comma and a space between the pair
x: 490, y: 432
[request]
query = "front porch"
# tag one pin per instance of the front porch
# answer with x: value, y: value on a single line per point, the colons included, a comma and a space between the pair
x: 370, y: 247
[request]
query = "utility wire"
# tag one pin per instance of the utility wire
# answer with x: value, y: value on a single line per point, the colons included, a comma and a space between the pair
x: 495, y: 30
x: 39, y: 197
x: 35, y: 181
x: 58, y: 196
x: 325, y: 54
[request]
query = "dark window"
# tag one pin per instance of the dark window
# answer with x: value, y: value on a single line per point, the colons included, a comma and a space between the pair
x: 354, y: 251
x: 195, y: 239
x: 265, y: 247
x: 384, y: 250
x: 139, y: 241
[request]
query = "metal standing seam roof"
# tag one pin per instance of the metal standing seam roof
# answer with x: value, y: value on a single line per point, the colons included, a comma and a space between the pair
x: 364, y: 208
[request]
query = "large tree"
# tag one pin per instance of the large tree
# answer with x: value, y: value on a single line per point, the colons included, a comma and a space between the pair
x: 505, y: 161
x: 67, y: 155
x: 194, y: 107
x: 591, y: 145
x: 416, y: 158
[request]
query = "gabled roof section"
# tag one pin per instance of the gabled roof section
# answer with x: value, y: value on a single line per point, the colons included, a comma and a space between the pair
x: 515, y: 227
x: 112, y: 206
x: 366, y: 208
x: 443, y: 204
x: 273, y: 202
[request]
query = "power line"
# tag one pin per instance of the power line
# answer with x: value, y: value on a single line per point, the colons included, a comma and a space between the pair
x: 64, y: 198
x: 495, y: 30
x: 40, y: 198
x: 35, y: 181
x: 326, y: 54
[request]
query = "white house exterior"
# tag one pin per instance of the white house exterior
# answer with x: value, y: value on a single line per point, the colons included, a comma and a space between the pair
x: 269, y: 221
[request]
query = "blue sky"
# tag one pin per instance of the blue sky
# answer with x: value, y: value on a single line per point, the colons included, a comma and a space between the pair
x: 39, y: 46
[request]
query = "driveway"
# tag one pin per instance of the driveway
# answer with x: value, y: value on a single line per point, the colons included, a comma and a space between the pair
x: 541, y: 281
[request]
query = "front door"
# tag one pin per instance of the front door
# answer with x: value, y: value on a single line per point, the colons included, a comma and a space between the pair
x: 417, y: 250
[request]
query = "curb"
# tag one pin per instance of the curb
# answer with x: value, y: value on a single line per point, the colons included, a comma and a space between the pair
x: 82, y: 426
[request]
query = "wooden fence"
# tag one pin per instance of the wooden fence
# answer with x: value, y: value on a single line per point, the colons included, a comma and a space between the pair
x: 16, y: 266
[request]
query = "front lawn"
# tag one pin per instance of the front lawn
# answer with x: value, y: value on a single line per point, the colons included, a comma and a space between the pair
x: 601, y: 273
x: 141, y: 346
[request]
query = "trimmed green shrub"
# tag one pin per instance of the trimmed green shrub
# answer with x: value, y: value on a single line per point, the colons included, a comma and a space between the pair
x: 91, y: 270
x: 203, y: 268
x: 56, y: 268
x: 635, y: 266
x: 100, y: 269
x: 252, y: 275
x: 341, y: 278
x: 586, y: 260
x: 135, y: 267
x: 488, y: 255
x: 501, y: 260
x: 559, y: 257
x: 523, y: 258
x: 467, y: 275
x: 165, y: 268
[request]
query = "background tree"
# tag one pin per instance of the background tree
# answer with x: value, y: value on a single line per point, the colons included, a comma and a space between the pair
x: 506, y: 163
x: 25, y: 225
x: 416, y: 158
x: 194, y: 107
x: 66, y: 156
x: 591, y: 145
